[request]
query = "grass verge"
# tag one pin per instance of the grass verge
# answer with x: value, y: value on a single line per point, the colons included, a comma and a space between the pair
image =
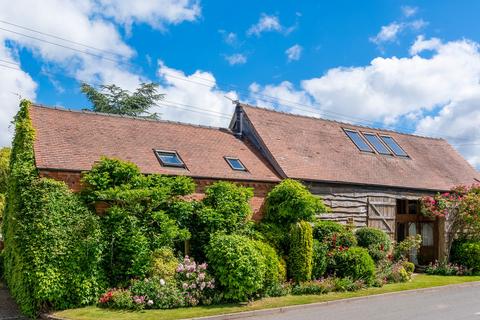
x: 418, y: 282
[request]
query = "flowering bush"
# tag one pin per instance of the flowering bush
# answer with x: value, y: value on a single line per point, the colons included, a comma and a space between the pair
x: 447, y: 269
x: 118, y: 299
x: 333, y: 234
x: 460, y: 207
x: 376, y: 241
x: 467, y: 253
x: 155, y: 293
x: 354, y: 262
x: 196, y: 284
x: 326, y: 285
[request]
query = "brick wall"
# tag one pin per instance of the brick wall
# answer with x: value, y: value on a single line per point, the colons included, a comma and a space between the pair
x: 260, y: 189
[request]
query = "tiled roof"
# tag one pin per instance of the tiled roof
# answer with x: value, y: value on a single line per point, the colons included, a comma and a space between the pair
x: 319, y: 150
x: 75, y: 140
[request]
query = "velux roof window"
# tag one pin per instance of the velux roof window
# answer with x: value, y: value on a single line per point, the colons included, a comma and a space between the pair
x: 235, y: 164
x: 376, y: 143
x: 358, y: 140
x: 394, y: 146
x: 169, y: 159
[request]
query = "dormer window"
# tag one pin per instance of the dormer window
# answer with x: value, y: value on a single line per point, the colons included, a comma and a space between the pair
x: 169, y: 159
x: 235, y: 164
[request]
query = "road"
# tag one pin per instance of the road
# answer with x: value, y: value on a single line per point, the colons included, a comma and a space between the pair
x: 446, y: 303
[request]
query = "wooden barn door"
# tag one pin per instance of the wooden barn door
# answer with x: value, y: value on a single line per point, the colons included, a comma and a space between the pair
x: 381, y: 214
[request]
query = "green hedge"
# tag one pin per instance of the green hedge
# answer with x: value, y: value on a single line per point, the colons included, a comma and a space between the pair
x: 354, y: 263
x: 376, y: 241
x: 320, y: 252
x: 301, y: 252
x: 466, y: 253
x: 52, y: 250
x: 275, y: 272
x: 333, y: 234
x: 237, y: 264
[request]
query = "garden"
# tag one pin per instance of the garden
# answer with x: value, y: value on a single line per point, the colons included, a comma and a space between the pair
x: 135, y: 242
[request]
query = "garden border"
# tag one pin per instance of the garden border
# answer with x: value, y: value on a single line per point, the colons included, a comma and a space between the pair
x: 270, y: 311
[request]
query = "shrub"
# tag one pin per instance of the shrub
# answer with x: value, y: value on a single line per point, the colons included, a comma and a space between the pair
x: 163, y: 264
x: 333, y: 234
x: 237, y: 265
x: 158, y: 294
x: 376, y: 241
x: 195, y: 282
x: 355, y: 263
x: 301, y: 252
x: 290, y: 202
x: 402, y: 250
x: 225, y: 208
x: 320, y: 251
x: 52, y: 249
x: 275, y: 272
x: 314, y: 287
x: 409, y: 267
x: 117, y: 299
x: 279, y: 290
x: 467, y: 254
x: 447, y: 269
x: 347, y: 284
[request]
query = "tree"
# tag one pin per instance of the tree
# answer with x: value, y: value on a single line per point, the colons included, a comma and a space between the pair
x: 461, y: 209
x: 4, y: 170
x: 113, y: 99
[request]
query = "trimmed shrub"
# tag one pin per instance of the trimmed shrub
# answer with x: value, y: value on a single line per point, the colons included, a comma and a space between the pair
x: 290, y: 202
x: 354, y: 263
x: 275, y: 272
x: 163, y: 264
x: 237, y: 265
x: 333, y: 234
x: 301, y: 252
x: 376, y: 241
x: 409, y: 267
x: 467, y: 254
x: 320, y: 251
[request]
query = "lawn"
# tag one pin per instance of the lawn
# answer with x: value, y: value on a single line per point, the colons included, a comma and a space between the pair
x: 418, y: 282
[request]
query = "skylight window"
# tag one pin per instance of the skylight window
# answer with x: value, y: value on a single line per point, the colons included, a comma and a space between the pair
x: 235, y: 164
x: 394, y: 146
x: 359, y: 141
x: 376, y: 143
x: 169, y: 159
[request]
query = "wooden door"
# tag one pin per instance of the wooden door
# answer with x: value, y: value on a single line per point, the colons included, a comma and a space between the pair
x: 381, y: 214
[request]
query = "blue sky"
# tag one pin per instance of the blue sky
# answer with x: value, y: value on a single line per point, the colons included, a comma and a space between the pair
x: 410, y: 66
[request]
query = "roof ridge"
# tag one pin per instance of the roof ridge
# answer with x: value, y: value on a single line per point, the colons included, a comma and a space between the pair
x: 338, y: 122
x: 89, y: 112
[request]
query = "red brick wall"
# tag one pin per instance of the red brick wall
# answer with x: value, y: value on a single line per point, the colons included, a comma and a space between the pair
x: 260, y: 189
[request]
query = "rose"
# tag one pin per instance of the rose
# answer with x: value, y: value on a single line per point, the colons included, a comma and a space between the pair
x: 162, y: 282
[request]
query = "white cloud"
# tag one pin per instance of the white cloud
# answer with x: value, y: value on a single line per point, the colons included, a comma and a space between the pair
x: 156, y: 13
x: 409, y: 11
x: 421, y: 44
x: 294, y: 52
x: 390, y: 89
x: 187, y: 94
x: 265, y: 24
x: 390, y: 32
x: 387, y: 33
x: 236, y: 58
x: 230, y: 38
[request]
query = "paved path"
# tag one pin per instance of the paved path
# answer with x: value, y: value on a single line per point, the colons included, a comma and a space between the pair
x: 447, y: 303
x: 8, y: 307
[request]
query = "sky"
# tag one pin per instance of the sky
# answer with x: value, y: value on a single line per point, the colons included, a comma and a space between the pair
x: 408, y: 66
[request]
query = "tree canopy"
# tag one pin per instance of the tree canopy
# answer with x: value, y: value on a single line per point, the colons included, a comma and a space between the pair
x: 113, y: 99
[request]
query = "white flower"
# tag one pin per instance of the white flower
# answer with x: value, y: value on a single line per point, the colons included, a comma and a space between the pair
x: 150, y: 302
x: 162, y: 282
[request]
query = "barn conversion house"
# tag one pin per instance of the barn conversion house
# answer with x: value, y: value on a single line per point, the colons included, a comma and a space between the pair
x: 367, y: 176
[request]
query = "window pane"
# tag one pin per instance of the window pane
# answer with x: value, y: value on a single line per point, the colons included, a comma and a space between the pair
x: 377, y: 144
x: 394, y: 146
x: 170, y: 159
x: 358, y: 140
x: 236, y: 164
x: 427, y: 234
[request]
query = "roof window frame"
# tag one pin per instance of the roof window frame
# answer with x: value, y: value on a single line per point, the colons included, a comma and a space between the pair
x: 372, y: 150
x: 181, y: 165
x: 395, y: 141
x: 228, y: 158
x: 380, y: 140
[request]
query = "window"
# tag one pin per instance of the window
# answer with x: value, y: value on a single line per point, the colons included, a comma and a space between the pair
x: 235, y: 164
x: 359, y: 141
x: 413, y: 206
x: 394, y: 146
x: 376, y: 143
x: 169, y: 159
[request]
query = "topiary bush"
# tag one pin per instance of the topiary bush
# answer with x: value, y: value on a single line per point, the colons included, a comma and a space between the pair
x: 290, y: 202
x: 333, y: 234
x: 354, y: 263
x: 237, y: 265
x: 319, y: 259
x: 301, y: 252
x: 376, y: 241
x: 467, y: 254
